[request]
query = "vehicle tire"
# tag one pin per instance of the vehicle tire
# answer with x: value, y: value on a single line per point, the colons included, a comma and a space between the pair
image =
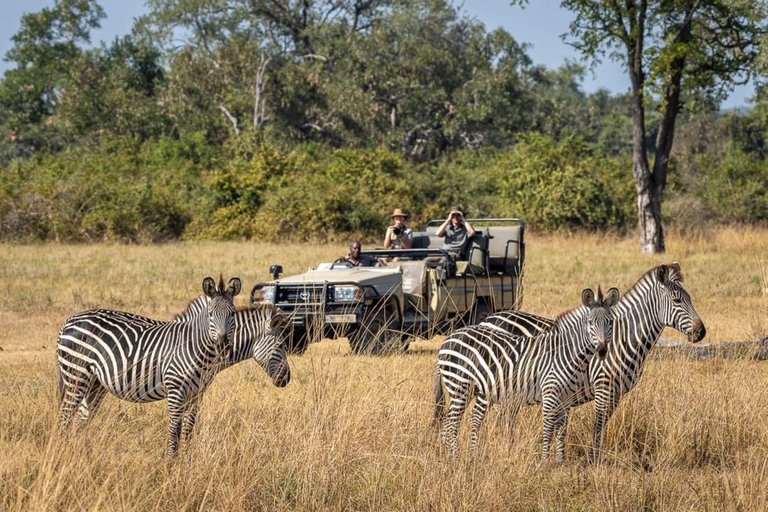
x: 298, y: 341
x: 480, y: 311
x: 378, y: 334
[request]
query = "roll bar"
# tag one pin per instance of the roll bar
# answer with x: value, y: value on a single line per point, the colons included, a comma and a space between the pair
x: 508, y: 220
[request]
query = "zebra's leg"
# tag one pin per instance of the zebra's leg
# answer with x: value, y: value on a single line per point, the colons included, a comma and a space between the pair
x: 73, y: 386
x: 450, y: 431
x: 190, y: 415
x: 560, y: 428
x: 478, y: 415
x: 176, y: 406
x: 91, y: 402
x: 606, y: 400
x: 549, y: 419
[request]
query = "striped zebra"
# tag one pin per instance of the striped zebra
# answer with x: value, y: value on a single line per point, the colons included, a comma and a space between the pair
x: 657, y: 300
x: 143, y: 360
x: 491, y: 365
x: 259, y: 334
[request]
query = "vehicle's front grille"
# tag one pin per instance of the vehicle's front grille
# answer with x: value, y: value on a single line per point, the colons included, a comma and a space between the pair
x: 299, y: 294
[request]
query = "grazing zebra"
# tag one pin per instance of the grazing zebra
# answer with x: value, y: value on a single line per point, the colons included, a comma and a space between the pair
x: 143, y: 360
x: 493, y: 365
x: 656, y: 300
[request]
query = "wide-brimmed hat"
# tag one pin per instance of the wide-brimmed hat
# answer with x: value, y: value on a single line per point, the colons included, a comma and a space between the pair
x: 400, y: 213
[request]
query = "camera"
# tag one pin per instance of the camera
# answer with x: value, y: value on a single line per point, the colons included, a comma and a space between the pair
x: 398, y: 230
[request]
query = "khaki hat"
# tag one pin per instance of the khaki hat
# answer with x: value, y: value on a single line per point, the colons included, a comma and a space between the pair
x: 400, y: 213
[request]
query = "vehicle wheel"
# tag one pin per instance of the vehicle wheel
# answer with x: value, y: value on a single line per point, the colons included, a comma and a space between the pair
x: 480, y: 312
x: 298, y: 341
x: 379, y: 335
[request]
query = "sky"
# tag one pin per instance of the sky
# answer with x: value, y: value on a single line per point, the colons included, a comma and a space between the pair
x: 540, y: 25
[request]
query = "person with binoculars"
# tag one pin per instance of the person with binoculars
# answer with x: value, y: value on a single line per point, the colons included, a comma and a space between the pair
x: 456, y: 232
x: 399, y: 236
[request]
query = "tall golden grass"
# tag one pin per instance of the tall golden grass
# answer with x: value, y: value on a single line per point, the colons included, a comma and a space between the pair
x: 352, y: 432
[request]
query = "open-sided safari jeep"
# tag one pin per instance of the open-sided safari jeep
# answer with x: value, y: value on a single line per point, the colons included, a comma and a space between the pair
x: 409, y: 292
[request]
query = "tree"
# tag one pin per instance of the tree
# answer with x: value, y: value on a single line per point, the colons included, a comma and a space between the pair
x: 44, y: 48
x: 676, y: 51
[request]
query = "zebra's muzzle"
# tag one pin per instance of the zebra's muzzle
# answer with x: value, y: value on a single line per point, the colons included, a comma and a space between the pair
x: 283, y: 378
x: 698, y: 331
x: 602, y: 350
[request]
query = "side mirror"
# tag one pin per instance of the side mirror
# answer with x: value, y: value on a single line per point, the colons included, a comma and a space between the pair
x: 276, y: 270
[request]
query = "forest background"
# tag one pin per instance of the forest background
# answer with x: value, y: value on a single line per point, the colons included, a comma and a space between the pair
x: 310, y: 120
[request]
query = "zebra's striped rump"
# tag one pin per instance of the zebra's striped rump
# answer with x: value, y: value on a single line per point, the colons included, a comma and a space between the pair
x: 489, y: 364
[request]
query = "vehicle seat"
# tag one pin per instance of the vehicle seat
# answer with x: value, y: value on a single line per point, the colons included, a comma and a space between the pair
x: 475, y: 254
x: 506, y: 250
x: 426, y: 240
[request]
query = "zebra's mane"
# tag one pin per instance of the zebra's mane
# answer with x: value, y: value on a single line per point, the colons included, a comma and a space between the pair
x: 194, y: 306
x: 564, y: 316
x: 256, y: 307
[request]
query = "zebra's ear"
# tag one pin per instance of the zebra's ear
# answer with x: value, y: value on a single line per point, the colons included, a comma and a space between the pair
x: 611, y: 298
x: 675, y: 272
x: 662, y: 273
x: 209, y: 287
x: 588, y: 297
x: 234, y: 286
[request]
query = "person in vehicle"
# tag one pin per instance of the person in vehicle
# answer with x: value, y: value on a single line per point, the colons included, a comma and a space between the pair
x: 399, y: 235
x: 354, y: 258
x: 456, y: 232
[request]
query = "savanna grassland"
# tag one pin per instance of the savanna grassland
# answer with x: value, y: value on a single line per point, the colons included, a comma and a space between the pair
x: 352, y: 432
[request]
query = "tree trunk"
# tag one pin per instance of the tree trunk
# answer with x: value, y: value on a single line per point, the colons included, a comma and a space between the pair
x: 648, y: 193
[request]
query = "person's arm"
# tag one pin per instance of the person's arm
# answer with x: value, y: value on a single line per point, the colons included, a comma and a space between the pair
x: 470, y: 229
x: 441, y: 229
x: 406, y: 239
x: 388, y: 238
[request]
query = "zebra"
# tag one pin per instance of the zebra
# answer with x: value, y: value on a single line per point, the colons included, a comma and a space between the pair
x: 258, y: 333
x: 491, y: 365
x: 655, y: 301
x: 143, y: 360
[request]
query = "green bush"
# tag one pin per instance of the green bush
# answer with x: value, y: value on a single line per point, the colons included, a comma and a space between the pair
x: 126, y: 190
x: 117, y: 190
x: 560, y: 184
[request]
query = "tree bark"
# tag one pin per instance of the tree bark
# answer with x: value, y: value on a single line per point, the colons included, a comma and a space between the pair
x: 258, y: 93
x: 648, y: 193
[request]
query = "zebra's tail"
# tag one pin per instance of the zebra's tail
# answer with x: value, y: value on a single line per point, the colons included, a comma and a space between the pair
x: 439, y: 399
x: 60, y: 379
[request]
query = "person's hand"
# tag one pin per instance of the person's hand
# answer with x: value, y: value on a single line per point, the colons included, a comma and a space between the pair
x: 450, y: 215
x: 390, y: 231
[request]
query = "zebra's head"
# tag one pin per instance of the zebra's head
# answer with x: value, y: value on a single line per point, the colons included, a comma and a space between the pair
x: 600, y: 317
x: 270, y: 353
x: 675, y: 307
x: 221, y: 308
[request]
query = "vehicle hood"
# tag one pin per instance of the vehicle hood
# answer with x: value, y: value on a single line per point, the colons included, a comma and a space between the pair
x: 366, y: 275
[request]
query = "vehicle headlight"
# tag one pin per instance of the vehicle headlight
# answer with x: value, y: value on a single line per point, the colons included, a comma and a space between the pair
x: 346, y: 293
x: 268, y: 293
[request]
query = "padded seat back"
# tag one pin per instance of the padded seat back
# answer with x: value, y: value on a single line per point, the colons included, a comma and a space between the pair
x: 426, y: 240
x: 506, y: 250
x: 420, y: 241
x: 476, y: 252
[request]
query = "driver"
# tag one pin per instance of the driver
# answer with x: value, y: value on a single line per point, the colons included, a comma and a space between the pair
x: 353, y: 257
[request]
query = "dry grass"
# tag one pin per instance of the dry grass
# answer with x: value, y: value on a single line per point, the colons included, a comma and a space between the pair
x: 353, y: 432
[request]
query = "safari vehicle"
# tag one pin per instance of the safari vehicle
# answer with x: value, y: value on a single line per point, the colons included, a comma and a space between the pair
x: 408, y: 292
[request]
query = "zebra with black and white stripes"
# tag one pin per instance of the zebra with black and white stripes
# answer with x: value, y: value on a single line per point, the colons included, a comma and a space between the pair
x: 657, y: 300
x: 259, y: 334
x: 143, y: 360
x: 491, y: 365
